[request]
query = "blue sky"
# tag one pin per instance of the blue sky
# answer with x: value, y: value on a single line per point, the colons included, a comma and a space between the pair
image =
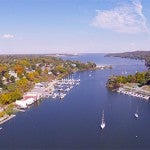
x: 74, y: 26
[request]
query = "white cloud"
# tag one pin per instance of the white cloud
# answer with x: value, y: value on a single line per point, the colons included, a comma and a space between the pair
x: 128, y: 18
x: 7, y: 36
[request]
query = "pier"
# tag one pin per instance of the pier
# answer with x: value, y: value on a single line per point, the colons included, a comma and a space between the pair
x: 135, y: 92
x: 6, y: 118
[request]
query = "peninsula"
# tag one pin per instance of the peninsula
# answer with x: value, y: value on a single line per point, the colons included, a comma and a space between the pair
x: 141, y: 55
x: 135, y: 85
x: 21, y: 76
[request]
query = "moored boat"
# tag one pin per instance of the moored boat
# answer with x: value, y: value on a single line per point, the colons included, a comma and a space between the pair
x: 136, y: 114
x: 103, y: 121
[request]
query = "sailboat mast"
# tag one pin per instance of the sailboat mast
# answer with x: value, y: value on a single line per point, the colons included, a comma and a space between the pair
x: 103, y: 116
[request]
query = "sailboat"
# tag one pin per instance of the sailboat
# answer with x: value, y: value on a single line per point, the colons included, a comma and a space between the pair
x: 103, y: 121
x: 136, y: 114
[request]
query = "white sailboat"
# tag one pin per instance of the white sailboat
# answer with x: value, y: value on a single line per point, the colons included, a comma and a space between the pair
x: 103, y: 121
x: 136, y: 114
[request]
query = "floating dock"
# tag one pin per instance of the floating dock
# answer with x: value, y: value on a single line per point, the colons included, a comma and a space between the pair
x: 135, y: 92
x: 6, y: 118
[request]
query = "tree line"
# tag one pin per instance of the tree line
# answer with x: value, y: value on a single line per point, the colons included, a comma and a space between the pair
x: 142, y: 78
x: 31, y: 69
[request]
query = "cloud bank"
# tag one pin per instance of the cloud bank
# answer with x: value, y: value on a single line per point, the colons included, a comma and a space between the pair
x: 7, y: 36
x: 127, y: 18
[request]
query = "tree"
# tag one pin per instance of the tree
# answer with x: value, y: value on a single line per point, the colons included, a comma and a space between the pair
x: 30, y: 76
x: 36, y: 74
x: 91, y: 65
x: 12, y: 79
x: 3, y: 68
x: 9, y: 109
x: 45, y: 71
x: 5, y: 98
x: 19, y: 69
x: 1, y: 82
x: 39, y: 70
x: 147, y: 77
x: 129, y: 78
x: 24, y: 62
x: 9, y: 97
x: 54, y: 72
x: 61, y: 69
x: 112, y: 82
x: 23, y: 84
x: 7, y: 75
x: 33, y: 67
x: 15, y: 95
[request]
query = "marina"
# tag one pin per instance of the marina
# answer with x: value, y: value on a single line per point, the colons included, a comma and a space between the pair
x: 135, y: 92
x: 54, y: 89
x: 63, y: 87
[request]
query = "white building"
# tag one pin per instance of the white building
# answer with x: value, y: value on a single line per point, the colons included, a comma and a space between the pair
x: 34, y: 95
x: 21, y: 104
x: 24, y: 103
x: 12, y: 73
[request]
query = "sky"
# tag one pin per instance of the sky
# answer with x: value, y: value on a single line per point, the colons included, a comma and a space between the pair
x: 74, y: 26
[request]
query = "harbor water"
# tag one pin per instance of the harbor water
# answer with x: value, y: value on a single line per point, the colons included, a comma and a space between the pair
x: 74, y: 121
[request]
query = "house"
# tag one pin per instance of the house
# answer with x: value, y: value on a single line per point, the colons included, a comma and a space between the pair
x: 29, y: 70
x: 21, y: 104
x: 49, y: 72
x: 3, y: 78
x: 43, y: 68
x: 34, y: 95
x: 73, y: 65
x: 1, y: 90
x: 1, y: 109
x: 38, y: 85
x: 24, y: 103
x: 29, y: 101
x: 12, y: 73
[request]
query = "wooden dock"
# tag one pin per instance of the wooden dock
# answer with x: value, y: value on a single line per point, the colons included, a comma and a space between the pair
x: 6, y: 118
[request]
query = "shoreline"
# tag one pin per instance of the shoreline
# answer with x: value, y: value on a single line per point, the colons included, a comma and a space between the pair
x: 135, y: 55
x: 135, y: 92
x: 42, y: 92
x: 132, y: 90
x: 49, y: 89
x: 6, y: 118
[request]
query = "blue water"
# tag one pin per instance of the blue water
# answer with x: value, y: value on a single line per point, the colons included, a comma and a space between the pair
x: 74, y: 122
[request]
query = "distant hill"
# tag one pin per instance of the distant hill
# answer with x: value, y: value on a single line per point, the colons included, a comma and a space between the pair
x: 142, y: 55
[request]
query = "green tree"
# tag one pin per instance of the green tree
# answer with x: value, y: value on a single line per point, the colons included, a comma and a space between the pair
x: 12, y: 79
x: 39, y: 70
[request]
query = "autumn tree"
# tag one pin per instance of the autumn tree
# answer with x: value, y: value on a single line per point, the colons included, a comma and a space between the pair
x: 23, y: 84
x: 19, y: 69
